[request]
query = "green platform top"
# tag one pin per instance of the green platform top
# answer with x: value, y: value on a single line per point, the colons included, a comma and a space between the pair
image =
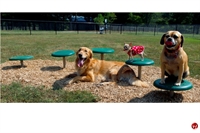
x: 139, y: 62
x: 21, y: 57
x: 169, y: 85
x: 63, y: 53
x: 103, y: 50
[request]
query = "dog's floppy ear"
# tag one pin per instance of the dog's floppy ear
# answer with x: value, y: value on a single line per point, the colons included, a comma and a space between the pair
x: 162, y: 39
x: 182, y: 40
x: 78, y: 51
x: 130, y: 44
x: 91, y: 53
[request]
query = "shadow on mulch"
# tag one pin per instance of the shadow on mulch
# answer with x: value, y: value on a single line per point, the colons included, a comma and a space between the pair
x: 59, y: 84
x: 51, y: 68
x: 158, y: 97
x: 13, y: 67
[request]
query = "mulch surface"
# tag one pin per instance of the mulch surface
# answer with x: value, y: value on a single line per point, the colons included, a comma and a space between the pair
x: 49, y: 73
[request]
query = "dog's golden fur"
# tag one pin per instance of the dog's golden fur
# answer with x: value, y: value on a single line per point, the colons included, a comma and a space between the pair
x: 174, y: 60
x: 89, y: 68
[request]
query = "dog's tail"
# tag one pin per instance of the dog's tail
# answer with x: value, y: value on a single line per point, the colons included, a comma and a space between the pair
x: 127, y: 74
x: 139, y: 83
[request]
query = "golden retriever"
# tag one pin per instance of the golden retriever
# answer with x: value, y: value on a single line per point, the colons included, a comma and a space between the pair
x: 89, y: 69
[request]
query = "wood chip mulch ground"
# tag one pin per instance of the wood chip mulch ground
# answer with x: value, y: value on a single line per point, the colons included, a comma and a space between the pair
x: 49, y: 73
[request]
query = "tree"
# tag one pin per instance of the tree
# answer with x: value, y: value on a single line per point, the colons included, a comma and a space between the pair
x: 111, y: 17
x: 99, y: 19
x: 147, y: 18
x: 134, y: 19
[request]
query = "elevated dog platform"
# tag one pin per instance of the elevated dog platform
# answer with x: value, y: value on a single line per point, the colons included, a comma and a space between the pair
x: 103, y: 51
x: 63, y: 54
x: 169, y: 85
x: 21, y: 58
x: 138, y: 62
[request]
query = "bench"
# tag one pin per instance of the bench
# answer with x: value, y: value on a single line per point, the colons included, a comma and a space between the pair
x: 63, y: 53
x: 21, y: 58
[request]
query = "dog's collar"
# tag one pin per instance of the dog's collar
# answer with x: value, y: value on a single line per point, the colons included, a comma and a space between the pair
x: 172, y: 53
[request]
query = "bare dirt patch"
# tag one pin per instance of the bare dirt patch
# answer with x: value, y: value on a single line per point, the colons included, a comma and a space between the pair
x: 49, y: 73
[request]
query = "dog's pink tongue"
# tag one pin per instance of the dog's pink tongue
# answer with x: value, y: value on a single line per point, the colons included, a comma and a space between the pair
x: 80, y: 63
x: 168, y: 43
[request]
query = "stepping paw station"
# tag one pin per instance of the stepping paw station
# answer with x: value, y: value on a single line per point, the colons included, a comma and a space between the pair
x: 21, y: 58
x: 169, y: 85
x: 138, y: 62
x: 63, y: 54
x: 103, y: 51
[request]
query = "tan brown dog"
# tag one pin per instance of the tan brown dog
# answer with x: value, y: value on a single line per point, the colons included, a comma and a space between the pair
x: 174, y: 60
x: 89, y: 69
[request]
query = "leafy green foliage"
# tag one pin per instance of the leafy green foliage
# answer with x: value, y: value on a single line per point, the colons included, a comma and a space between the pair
x: 135, y: 19
x: 99, y: 19
x: 111, y: 17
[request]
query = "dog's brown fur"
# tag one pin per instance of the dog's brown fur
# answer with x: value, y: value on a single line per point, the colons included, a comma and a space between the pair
x: 174, y: 60
x: 88, y: 69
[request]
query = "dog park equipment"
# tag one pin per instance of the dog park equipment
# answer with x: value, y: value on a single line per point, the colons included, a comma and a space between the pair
x: 138, y: 62
x: 21, y: 58
x: 63, y: 53
x: 103, y: 51
x: 169, y: 85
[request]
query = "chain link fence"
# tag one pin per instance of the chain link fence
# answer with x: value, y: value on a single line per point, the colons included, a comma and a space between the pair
x: 33, y: 25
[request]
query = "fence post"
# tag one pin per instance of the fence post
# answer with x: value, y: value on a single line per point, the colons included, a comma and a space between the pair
x: 121, y: 29
x: 154, y: 30
x: 96, y: 28
x: 193, y: 29
x: 29, y: 25
x: 77, y: 28
x: 105, y: 27
x: 110, y: 28
x: 136, y: 29
x: 177, y: 27
x: 143, y: 30
x: 55, y: 28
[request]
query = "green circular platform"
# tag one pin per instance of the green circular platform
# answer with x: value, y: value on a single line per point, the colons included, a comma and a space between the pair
x: 169, y: 85
x: 63, y: 53
x: 21, y: 57
x: 139, y: 62
x: 103, y: 50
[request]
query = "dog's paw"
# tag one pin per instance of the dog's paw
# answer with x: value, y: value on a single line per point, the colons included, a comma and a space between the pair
x: 177, y: 83
x: 162, y: 81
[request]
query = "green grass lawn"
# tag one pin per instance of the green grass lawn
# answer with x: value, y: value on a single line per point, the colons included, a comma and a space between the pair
x: 16, y: 92
x: 42, y: 44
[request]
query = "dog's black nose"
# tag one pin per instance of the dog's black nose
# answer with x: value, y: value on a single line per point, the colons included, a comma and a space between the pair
x: 80, y: 56
x: 169, y: 39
